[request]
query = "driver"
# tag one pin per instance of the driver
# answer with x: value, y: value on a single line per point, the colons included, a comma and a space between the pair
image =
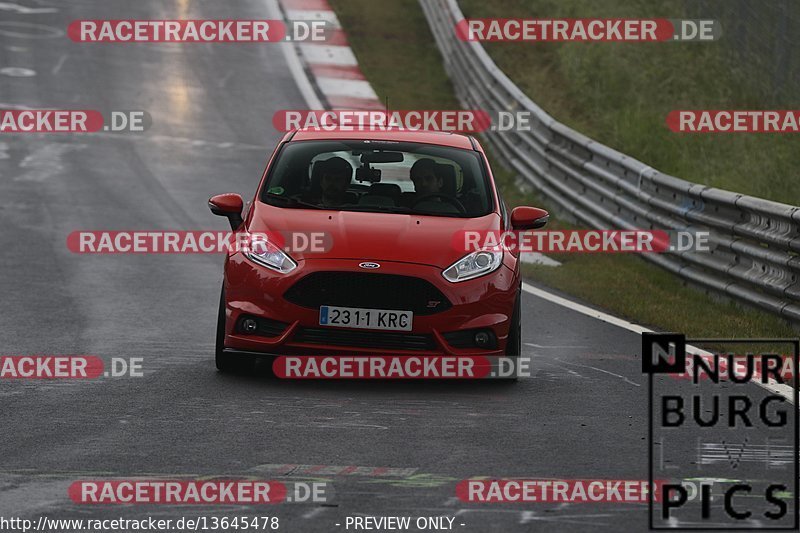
x: 336, y: 175
x: 423, y: 174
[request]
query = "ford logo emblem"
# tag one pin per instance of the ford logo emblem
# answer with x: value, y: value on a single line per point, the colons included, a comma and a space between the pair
x: 369, y: 264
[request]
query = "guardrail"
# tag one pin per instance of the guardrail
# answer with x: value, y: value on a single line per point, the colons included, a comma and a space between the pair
x: 755, y: 242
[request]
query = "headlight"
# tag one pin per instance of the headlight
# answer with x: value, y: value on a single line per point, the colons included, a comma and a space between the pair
x: 473, y: 265
x: 263, y: 252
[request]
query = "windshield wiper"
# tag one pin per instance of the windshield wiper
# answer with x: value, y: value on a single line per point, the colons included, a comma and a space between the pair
x: 378, y: 208
x: 291, y: 201
x: 441, y: 214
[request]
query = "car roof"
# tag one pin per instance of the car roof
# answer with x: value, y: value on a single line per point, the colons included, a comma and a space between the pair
x: 441, y: 138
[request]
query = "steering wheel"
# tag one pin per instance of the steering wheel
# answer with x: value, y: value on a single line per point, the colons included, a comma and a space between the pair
x: 449, y: 199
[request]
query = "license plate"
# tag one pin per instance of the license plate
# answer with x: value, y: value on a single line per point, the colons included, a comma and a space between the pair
x: 356, y: 317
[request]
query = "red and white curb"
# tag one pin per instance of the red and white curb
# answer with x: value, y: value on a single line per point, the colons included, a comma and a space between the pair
x: 332, y: 67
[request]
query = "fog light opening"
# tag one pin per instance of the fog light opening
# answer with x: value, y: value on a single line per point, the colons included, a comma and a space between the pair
x: 482, y: 339
x: 249, y: 325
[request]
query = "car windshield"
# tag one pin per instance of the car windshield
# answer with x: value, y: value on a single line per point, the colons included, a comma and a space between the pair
x: 378, y: 176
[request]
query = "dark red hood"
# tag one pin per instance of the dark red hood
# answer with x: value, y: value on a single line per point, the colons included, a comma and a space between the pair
x: 426, y: 240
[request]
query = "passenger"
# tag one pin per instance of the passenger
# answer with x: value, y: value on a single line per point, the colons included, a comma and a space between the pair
x: 423, y: 175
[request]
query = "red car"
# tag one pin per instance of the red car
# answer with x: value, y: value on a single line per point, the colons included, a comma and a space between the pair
x: 385, y: 277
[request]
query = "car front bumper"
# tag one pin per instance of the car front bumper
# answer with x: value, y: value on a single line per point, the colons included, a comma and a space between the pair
x: 484, y: 303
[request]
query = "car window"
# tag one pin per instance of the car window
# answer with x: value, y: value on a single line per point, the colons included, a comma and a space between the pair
x: 378, y: 176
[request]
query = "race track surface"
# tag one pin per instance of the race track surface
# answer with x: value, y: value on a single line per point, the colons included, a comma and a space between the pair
x: 582, y: 413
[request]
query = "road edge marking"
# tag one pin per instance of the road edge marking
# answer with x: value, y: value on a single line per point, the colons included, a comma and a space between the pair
x: 773, y: 386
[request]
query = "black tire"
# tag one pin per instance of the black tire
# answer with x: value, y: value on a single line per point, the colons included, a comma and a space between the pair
x: 225, y: 363
x: 514, y: 342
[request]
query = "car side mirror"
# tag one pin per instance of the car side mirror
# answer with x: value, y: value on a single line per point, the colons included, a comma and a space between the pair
x: 524, y: 217
x: 228, y: 205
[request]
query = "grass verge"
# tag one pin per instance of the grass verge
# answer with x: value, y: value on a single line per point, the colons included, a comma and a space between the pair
x: 397, y: 53
x: 620, y: 94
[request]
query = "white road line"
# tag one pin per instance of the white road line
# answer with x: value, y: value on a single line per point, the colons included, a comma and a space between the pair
x: 314, y: 512
x: 773, y: 386
x: 564, y: 369
x: 328, y: 55
x: 44, y: 32
x: 623, y: 378
x: 310, y: 14
x: 60, y: 64
x: 554, y: 346
x: 588, y: 311
x: 537, y: 258
x: 8, y: 6
x: 18, y: 72
x: 46, y: 161
x: 343, y: 87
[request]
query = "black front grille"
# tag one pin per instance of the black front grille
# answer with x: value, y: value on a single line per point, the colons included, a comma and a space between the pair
x: 371, y: 291
x: 364, y: 339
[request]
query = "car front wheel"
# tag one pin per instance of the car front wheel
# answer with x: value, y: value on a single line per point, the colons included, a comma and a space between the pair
x: 225, y: 363
x: 514, y: 341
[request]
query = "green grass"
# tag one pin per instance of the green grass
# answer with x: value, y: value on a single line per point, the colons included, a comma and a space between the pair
x: 651, y: 296
x: 398, y: 55
x: 396, y: 52
x: 620, y: 94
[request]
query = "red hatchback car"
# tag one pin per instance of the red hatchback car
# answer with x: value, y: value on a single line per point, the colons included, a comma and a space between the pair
x: 388, y: 279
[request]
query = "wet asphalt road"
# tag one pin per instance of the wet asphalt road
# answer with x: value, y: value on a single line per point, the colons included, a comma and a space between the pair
x: 582, y: 414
